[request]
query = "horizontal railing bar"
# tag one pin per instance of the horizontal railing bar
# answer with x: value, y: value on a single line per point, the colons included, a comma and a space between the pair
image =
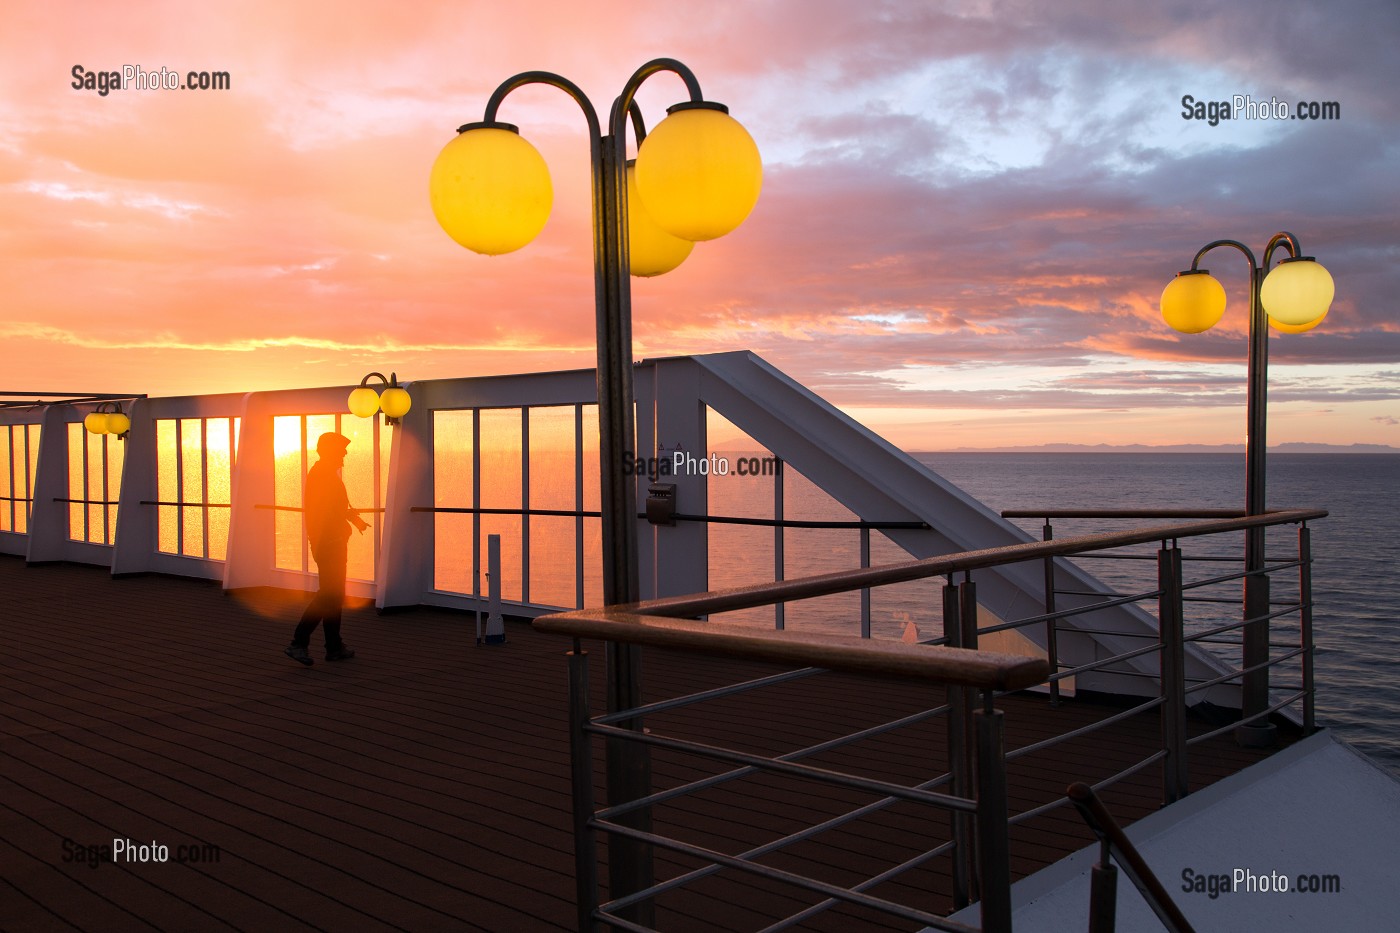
x: 1232, y: 675
x: 1122, y: 513
x: 797, y: 755
x: 557, y: 513
x: 1272, y: 662
x: 1106, y: 782
x: 1095, y: 665
x: 777, y: 874
x: 662, y: 706
x: 1084, y: 730
x: 1200, y: 559
x: 684, y: 517
x: 196, y: 505
x: 1104, y: 631
x: 864, y: 886
x: 1230, y: 626
x: 1072, y: 611
x: 278, y: 508
x: 960, y: 666
x: 87, y: 501
x: 768, y: 847
x: 16, y: 499
x: 1265, y: 712
x: 821, y: 775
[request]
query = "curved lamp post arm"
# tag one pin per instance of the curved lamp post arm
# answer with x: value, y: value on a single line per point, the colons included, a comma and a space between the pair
x: 1248, y: 254
x: 625, y: 101
x: 1285, y: 239
x: 553, y: 80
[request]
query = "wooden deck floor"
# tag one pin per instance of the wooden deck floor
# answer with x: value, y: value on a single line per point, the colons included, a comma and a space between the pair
x: 424, y: 785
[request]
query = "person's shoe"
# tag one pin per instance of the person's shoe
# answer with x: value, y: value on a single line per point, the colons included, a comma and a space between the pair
x: 339, y: 654
x: 299, y: 654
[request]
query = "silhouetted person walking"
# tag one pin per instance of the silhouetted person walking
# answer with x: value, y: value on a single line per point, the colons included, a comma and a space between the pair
x: 328, y: 516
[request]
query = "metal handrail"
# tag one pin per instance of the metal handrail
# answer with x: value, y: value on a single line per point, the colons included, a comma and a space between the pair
x: 979, y: 669
x: 1115, y: 841
x: 762, y: 594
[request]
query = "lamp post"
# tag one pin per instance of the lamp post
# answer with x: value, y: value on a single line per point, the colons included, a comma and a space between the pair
x: 1293, y: 297
x: 394, y: 401
x: 108, y: 418
x: 697, y: 176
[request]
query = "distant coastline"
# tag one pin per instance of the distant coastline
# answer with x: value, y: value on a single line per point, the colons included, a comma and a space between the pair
x: 1297, y: 447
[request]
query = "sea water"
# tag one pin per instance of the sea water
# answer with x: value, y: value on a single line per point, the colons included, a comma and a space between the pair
x: 1356, y: 549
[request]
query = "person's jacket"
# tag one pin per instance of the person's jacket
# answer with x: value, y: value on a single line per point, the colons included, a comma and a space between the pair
x: 327, y: 508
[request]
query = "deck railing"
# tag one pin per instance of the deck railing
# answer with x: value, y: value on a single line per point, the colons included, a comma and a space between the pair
x: 973, y: 787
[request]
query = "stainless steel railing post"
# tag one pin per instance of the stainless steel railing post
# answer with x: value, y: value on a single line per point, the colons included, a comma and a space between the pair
x: 993, y: 830
x: 1175, y: 781
x: 959, y: 757
x: 581, y: 773
x: 1305, y: 626
x: 1052, y: 647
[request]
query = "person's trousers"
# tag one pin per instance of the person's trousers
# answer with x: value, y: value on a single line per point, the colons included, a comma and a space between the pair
x: 324, y: 608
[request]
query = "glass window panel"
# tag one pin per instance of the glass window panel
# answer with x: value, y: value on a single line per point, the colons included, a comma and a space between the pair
x: 218, y: 483
x: 592, y: 484
x: 218, y: 477
x: 895, y: 606
x: 508, y: 527
x: 552, y: 559
x: 96, y: 487
x: 592, y: 562
x: 167, y: 487
x: 551, y: 463
x: 116, y: 462
x: 452, y: 459
x: 386, y: 446
x: 452, y: 488
x: 500, y: 458
x: 316, y: 425
x: 218, y: 534
x: 77, y: 525
x: 7, y: 466
x: 286, y: 484
x: 192, y: 486
x: 740, y: 555
x: 289, y: 544
x: 23, y: 524
x: 452, y: 553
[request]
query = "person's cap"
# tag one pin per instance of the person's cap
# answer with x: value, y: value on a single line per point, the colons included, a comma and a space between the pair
x: 332, y: 443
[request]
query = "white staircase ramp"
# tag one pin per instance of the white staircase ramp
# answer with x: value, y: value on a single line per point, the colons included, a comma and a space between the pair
x: 1319, y: 813
x: 879, y: 482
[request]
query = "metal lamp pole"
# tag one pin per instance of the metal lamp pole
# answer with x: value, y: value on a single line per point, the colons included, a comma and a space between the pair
x: 1255, y: 698
x: 628, y: 763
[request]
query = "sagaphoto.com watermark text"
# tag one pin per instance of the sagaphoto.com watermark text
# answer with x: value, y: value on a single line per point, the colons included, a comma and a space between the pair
x: 1245, y: 107
x: 134, y: 77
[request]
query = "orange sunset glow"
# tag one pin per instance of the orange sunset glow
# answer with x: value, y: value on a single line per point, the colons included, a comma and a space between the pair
x: 968, y: 212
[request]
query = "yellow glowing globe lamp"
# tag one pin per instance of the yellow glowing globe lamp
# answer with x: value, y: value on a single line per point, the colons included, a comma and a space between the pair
x: 96, y: 422
x: 1193, y: 301
x: 1278, y: 325
x: 699, y: 172
x: 117, y: 423
x: 1297, y: 291
x: 364, y: 402
x: 650, y: 250
x: 395, y: 403
x: 490, y: 189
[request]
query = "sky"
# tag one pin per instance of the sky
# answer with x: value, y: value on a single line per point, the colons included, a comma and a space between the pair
x: 969, y: 210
